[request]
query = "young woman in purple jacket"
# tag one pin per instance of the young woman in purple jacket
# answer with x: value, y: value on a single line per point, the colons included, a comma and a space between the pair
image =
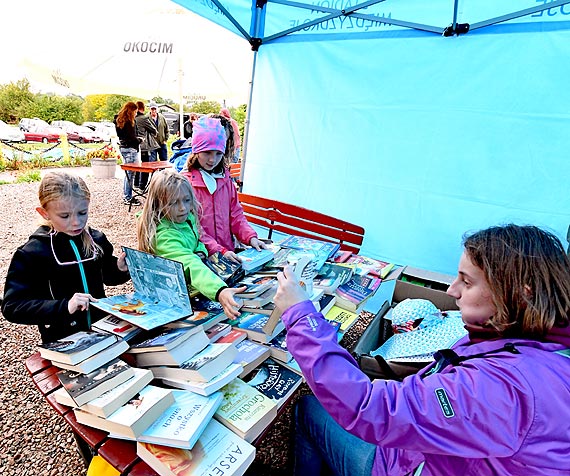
x: 498, y: 404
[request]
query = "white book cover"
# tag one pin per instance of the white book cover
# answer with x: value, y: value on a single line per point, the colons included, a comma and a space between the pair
x: 133, y: 418
x: 76, y: 347
x: 176, y: 356
x: 95, y: 361
x: 219, y: 451
x: 209, y: 387
x: 184, y: 421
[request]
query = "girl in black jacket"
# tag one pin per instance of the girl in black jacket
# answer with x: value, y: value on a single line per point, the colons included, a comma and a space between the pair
x: 64, y: 265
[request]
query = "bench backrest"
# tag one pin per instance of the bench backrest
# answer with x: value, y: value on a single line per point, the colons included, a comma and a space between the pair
x: 294, y: 220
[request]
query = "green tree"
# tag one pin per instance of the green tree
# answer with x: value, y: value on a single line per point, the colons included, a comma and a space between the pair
x: 206, y: 107
x: 50, y: 108
x: 15, y: 99
x: 239, y: 114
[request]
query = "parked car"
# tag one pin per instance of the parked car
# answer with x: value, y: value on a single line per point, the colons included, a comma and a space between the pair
x: 11, y: 133
x: 106, y: 130
x: 26, y: 124
x: 43, y: 134
x: 77, y: 133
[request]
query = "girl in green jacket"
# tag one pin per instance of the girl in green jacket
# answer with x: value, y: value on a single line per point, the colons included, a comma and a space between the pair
x: 168, y: 227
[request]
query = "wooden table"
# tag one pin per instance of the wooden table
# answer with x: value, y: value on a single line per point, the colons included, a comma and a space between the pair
x: 144, y: 168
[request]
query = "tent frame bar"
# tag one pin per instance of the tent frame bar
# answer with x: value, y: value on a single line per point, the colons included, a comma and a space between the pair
x: 233, y: 21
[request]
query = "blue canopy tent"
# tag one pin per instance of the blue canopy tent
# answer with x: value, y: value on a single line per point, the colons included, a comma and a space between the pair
x: 417, y: 120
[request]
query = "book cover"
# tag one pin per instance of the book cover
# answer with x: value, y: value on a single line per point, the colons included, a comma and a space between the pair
x: 341, y: 256
x: 346, y: 318
x: 165, y: 341
x: 202, y: 367
x: 116, y: 326
x: 184, y: 421
x: 255, y: 285
x: 226, y: 269
x: 354, y: 293
x: 113, y: 399
x: 274, y: 380
x: 161, y: 294
x: 249, y: 355
x: 245, y: 410
x: 365, y: 265
x: 76, y: 347
x: 261, y: 300
x: 331, y: 276
x: 235, y: 336
x: 218, y: 331
x: 266, y: 309
x: 206, y: 388
x: 218, y: 451
x: 177, y: 355
x: 322, y: 250
x: 95, y: 361
x: 133, y: 418
x: 254, y: 324
x: 278, y: 347
x: 326, y: 302
x: 85, y: 387
x: 252, y: 258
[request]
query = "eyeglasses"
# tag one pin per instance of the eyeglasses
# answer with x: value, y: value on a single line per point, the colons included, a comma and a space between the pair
x: 65, y: 263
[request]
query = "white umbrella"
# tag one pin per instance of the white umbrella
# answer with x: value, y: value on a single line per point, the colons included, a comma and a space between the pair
x: 142, y: 48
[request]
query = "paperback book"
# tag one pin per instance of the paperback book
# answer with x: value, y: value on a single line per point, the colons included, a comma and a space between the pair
x: 99, y: 359
x: 177, y: 355
x: 331, y: 276
x: 164, y: 341
x: 254, y: 325
x: 227, y: 270
x: 217, y: 331
x: 245, y: 410
x: 275, y: 381
x: 353, y: 294
x: 326, y: 302
x: 322, y: 250
x: 76, y: 347
x: 133, y: 418
x: 256, y: 285
x: 110, y: 401
x: 218, y: 451
x: 344, y: 317
x: 250, y: 355
x: 85, y: 387
x: 203, y: 366
x: 262, y: 299
x: 252, y: 259
x: 365, y: 265
x: 161, y: 294
x: 235, y: 336
x: 183, y: 422
x: 206, y: 388
x: 116, y: 326
x: 278, y: 347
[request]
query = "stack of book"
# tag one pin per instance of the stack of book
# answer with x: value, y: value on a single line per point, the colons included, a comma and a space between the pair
x: 206, y: 314
x: 252, y: 259
x: 353, y: 294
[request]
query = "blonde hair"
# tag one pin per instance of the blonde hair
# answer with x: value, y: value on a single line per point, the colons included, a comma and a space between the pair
x: 163, y: 187
x: 63, y: 186
x: 528, y: 272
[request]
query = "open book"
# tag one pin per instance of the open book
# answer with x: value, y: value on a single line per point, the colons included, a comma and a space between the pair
x: 161, y: 294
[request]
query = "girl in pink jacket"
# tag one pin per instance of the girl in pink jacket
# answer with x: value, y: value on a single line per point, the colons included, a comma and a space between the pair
x: 221, y: 215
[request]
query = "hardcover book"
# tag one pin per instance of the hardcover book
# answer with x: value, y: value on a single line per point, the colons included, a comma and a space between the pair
x: 226, y: 269
x: 203, y: 366
x: 161, y: 294
x: 116, y: 326
x: 219, y: 451
x: 209, y: 387
x: 133, y: 418
x: 275, y: 381
x: 245, y: 410
x: 177, y: 355
x: 113, y: 399
x: 183, y: 422
x: 85, y: 387
x: 95, y: 361
x: 254, y: 325
x: 76, y: 347
x: 353, y: 294
x: 250, y: 355
x: 252, y: 259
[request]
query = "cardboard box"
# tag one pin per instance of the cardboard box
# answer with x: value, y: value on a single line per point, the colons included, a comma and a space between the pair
x: 436, y: 285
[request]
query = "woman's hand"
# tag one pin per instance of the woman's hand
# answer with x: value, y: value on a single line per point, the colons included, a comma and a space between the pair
x: 122, y: 262
x: 258, y: 244
x: 79, y: 302
x: 289, y: 291
x: 232, y: 256
x: 231, y: 304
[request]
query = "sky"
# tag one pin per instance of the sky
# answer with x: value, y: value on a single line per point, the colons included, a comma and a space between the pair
x: 91, y: 49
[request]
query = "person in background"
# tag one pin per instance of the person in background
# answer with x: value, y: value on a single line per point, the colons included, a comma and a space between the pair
x: 147, y: 133
x: 230, y: 135
x: 168, y: 226
x: 495, y: 405
x: 128, y: 146
x: 221, y: 214
x: 237, y: 139
x: 161, y: 125
x: 64, y: 265
x: 188, y: 128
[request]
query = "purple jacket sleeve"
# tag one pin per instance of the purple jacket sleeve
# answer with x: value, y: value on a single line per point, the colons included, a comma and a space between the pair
x: 410, y: 415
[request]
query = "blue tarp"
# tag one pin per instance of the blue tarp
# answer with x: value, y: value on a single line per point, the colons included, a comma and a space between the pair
x: 415, y: 136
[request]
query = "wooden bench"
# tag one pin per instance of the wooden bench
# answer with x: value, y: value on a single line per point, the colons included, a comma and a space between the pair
x: 282, y: 217
x: 235, y: 173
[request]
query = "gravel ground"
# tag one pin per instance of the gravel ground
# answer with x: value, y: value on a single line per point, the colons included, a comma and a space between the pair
x: 35, y: 440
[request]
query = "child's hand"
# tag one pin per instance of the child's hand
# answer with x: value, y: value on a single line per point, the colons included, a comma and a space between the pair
x: 232, y: 256
x: 122, y: 262
x: 79, y: 302
x: 258, y: 244
x: 229, y: 303
x: 289, y: 291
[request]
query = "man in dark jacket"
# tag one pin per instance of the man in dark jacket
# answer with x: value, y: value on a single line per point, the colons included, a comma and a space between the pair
x: 147, y: 132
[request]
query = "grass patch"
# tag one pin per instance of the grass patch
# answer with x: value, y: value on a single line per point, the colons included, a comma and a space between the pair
x: 29, y: 176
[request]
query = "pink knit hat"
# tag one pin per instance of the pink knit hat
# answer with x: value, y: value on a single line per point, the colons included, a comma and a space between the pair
x: 208, y: 134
